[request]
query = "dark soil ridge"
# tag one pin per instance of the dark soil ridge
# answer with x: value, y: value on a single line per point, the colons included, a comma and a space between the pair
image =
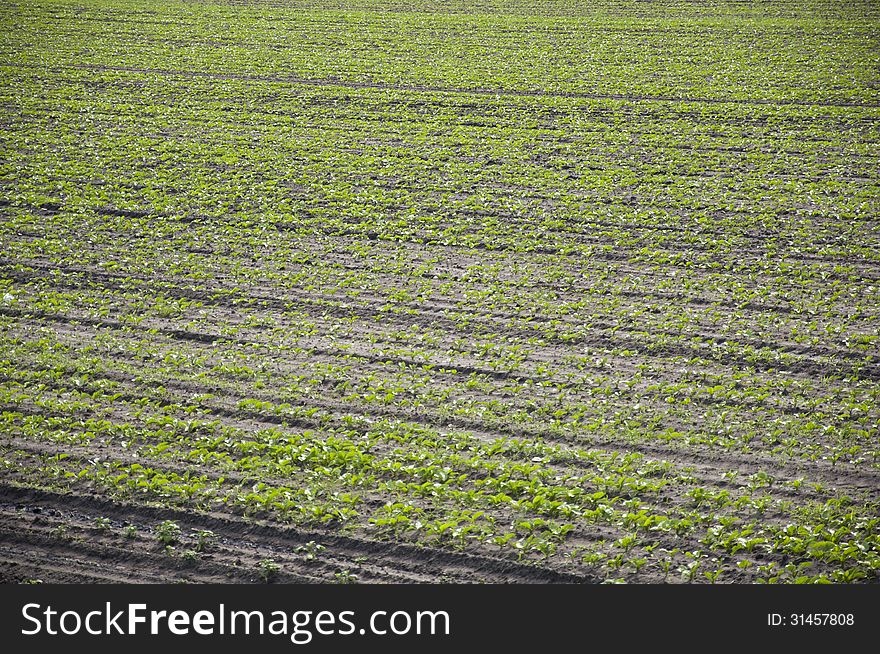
x: 280, y: 536
x: 29, y: 554
x: 224, y: 560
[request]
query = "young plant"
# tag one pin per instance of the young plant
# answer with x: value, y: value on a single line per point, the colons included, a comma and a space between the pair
x: 60, y: 532
x: 168, y: 533
x: 205, y: 538
x: 310, y: 549
x: 346, y: 577
x: 189, y: 556
x: 267, y: 569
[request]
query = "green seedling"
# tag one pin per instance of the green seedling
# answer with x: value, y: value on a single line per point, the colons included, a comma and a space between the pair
x: 60, y: 532
x: 205, y: 539
x: 168, y: 533
x: 310, y: 550
x: 189, y: 555
x: 268, y: 569
x: 346, y: 577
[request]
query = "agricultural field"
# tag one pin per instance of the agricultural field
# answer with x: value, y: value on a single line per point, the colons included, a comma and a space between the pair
x: 439, y: 292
